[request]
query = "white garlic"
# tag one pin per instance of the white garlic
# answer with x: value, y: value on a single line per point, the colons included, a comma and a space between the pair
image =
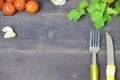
x: 9, y: 33
x: 58, y: 2
x: 7, y: 28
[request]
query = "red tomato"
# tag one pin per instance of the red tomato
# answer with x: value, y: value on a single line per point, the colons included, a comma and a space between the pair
x: 29, y: 0
x: 12, y: 1
x: 8, y: 9
x: 20, y: 4
x: 32, y: 6
x: 1, y: 4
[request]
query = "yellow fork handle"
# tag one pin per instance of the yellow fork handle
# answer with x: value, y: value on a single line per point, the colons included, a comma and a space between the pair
x: 110, y: 72
x: 94, y: 72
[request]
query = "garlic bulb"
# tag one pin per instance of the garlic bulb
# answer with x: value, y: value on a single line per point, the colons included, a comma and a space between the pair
x: 58, y: 2
x: 9, y: 33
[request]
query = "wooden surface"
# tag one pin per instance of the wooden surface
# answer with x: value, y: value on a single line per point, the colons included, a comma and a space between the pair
x: 50, y: 47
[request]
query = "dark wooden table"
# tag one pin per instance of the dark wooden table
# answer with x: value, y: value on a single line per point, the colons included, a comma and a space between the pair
x: 50, y: 47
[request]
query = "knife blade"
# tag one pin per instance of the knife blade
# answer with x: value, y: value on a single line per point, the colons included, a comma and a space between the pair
x: 110, y: 68
x: 110, y: 50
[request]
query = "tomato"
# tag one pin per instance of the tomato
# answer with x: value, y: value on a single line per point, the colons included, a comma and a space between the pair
x: 20, y: 4
x: 12, y: 1
x: 32, y: 6
x: 29, y: 0
x: 8, y: 9
x: 1, y: 4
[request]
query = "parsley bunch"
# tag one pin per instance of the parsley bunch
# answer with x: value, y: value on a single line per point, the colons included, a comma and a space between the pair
x: 100, y: 11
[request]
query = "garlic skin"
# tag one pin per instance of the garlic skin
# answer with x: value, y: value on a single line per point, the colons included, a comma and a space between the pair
x: 58, y: 2
x: 9, y: 33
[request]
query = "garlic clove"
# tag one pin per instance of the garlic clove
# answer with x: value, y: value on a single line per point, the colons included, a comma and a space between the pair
x: 10, y: 34
x: 62, y: 3
x: 54, y: 2
x: 58, y: 2
x: 7, y: 28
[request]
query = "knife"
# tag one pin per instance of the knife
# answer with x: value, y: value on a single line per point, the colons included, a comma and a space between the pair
x: 110, y: 68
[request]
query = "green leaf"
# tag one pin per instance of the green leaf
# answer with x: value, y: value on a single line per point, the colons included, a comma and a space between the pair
x: 96, y: 16
x: 112, y: 11
x: 75, y: 14
x: 81, y: 11
x: 95, y: 1
x: 103, y: 6
x: 90, y: 9
x: 107, y: 16
x: 104, y: 0
x: 98, y: 19
x: 99, y: 11
x: 117, y: 6
x: 93, y: 7
x: 99, y: 24
x: 83, y: 4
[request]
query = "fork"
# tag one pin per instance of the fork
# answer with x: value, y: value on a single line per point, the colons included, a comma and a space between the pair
x: 94, y: 48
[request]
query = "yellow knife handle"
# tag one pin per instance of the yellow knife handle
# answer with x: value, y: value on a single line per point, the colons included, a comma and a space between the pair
x: 110, y: 72
x: 94, y: 72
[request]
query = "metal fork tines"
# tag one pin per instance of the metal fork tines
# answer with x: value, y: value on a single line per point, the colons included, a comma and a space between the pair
x: 94, y: 44
x: 94, y: 47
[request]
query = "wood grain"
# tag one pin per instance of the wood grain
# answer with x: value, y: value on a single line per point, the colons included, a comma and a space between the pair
x: 50, y: 47
x: 51, y: 65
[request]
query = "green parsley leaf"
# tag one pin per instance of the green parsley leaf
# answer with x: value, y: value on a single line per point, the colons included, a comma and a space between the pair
x: 103, y: 6
x: 99, y: 24
x: 107, y: 16
x: 98, y: 19
x: 81, y: 11
x: 75, y: 14
x: 95, y: 1
x: 99, y: 11
x: 117, y: 6
x: 112, y: 11
x: 83, y: 4
x: 93, y: 8
x: 96, y: 16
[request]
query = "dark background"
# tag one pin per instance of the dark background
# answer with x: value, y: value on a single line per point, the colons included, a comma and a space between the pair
x: 50, y: 47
